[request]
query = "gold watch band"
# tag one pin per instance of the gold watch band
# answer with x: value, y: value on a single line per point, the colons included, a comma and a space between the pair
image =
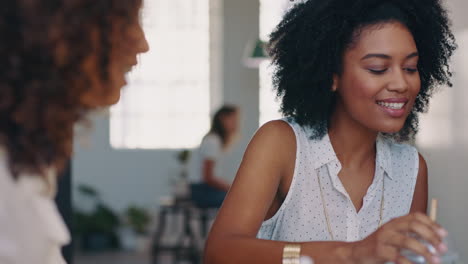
x: 291, y: 254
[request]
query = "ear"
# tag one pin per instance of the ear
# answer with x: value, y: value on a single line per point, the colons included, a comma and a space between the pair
x: 334, y: 87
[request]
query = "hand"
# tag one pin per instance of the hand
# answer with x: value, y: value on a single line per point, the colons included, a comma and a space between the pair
x: 385, y: 244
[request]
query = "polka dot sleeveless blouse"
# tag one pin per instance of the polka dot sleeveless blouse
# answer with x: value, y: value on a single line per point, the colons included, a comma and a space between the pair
x: 301, y: 216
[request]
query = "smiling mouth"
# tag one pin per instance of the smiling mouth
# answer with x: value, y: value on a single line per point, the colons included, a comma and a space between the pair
x: 394, y: 106
x: 129, y: 68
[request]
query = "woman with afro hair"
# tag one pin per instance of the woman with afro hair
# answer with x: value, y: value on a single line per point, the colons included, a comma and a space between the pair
x: 59, y: 60
x: 336, y: 180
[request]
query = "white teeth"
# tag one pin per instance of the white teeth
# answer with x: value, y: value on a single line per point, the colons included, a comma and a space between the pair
x: 391, y: 105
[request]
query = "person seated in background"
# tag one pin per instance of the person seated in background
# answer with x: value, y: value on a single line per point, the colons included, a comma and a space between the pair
x: 58, y: 61
x: 208, y: 189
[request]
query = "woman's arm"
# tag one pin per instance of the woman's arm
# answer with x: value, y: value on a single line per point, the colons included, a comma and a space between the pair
x: 267, y: 166
x: 269, y: 156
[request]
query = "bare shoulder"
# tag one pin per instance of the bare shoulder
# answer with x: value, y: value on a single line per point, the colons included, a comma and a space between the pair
x: 277, y: 127
x: 276, y: 133
x: 267, y: 159
x: 275, y: 141
x: 273, y: 147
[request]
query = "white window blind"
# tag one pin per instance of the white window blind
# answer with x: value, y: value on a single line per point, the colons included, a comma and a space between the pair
x: 166, y: 103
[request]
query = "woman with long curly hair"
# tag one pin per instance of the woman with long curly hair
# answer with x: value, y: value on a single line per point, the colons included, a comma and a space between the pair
x: 58, y: 61
x: 337, y: 180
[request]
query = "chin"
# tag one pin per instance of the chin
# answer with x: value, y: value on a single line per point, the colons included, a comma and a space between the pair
x: 113, y: 99
x: 114, y: 96
x: 391, y: 129
x: 389, y: 126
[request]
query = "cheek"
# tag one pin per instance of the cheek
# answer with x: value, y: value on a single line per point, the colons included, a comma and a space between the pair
x: 415, y: 86
x: 130, y: 41
x: 360, y: 90
x: 93, y: 96
x: 115, y: 67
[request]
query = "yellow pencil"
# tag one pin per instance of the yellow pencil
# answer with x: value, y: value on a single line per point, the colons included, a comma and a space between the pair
x: 433, y: 210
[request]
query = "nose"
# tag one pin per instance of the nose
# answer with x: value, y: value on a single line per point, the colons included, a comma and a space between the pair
x: 143, y: 45
x: 398, y: 82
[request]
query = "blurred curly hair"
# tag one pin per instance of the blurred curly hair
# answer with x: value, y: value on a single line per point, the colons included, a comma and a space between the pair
x: 43, y: 49
x: 308, y: 45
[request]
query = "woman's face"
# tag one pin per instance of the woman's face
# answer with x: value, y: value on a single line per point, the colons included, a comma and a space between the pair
x: 231, y: 122
x: 379, y: 80
x: 124, y: 57
x: 128, y: 41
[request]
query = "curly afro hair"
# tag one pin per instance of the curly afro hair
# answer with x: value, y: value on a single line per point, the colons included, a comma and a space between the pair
x: 308, y: 45
x: 44, y: 47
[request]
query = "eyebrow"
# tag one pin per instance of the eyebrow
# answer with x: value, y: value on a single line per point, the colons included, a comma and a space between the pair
x: 387, y: 57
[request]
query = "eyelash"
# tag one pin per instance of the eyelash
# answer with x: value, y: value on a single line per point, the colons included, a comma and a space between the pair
x: 377, y: 72
x: 380, y: 72
x: 411, y: 70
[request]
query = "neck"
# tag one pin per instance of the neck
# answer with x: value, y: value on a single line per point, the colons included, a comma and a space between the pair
x: 353, y: 143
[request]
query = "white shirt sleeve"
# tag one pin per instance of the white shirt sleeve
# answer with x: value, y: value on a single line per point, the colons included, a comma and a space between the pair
x: 8, y: 246
x: 211, y: 147
x: 31, y: 228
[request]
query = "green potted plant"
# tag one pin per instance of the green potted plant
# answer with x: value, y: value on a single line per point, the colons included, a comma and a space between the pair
x: 139, y: 219
x: 95, y: 228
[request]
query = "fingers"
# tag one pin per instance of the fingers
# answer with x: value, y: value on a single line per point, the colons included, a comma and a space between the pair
x: 425, y: 219
x: 401, y: 241
x: 415, y: 233
x: 428, y: 234
x: 423, y: 227
x: 403, y: 260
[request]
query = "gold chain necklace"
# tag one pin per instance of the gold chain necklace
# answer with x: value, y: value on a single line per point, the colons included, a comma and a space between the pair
x: 325, y: 211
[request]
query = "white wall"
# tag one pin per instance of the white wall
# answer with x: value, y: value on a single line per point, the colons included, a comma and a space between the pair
x: 141, y: 177
x: 123, y: 177
x: 448, y: 162
x: 241, y: 85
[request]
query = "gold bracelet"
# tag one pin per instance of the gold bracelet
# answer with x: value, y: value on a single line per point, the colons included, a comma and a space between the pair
x: 291, y: 254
